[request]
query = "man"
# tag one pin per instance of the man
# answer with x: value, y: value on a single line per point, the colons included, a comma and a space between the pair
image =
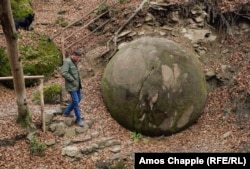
x: 71, y: 74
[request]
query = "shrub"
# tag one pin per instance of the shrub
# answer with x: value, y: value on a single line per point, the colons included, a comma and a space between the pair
x: 36, y: 147
x: 51, y: 94
x: 136, y: 136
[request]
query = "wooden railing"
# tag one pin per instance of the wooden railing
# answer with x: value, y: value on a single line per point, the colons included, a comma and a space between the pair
x: 65, y: 37
x: 40, y: 91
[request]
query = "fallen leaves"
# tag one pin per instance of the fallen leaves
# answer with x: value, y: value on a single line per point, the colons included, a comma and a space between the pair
x: 218, y: 129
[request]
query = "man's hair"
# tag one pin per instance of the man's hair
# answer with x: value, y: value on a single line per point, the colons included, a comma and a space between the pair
x: 77, y: 52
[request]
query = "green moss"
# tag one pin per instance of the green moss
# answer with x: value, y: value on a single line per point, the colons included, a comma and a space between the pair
x: 124, y: 1
x: 102, y: 8
x: 15, y: 36
x: 64, y: 24
x: 61, y: 21
x: 21, y: 8
x: 39, y: 57
x: 24, y: 119
x: 4, y: 63
x: 63, y: 11
x: 51, y: 94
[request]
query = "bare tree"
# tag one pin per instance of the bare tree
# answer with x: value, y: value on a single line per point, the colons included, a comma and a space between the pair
x: 11, y: 37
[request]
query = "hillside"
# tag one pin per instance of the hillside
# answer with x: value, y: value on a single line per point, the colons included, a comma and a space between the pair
x: 223, y: 127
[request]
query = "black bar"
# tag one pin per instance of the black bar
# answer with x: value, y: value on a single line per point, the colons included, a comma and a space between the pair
x: 192, y: 160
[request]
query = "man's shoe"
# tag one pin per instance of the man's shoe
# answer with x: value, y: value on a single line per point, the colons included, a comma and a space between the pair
x: 68, y: 115
x: 80, y: 123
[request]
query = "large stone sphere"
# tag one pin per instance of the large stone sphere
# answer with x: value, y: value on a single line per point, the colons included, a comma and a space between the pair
x: 154, y: 86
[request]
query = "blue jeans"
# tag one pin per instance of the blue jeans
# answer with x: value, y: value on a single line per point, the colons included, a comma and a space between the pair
x: 75, y: 100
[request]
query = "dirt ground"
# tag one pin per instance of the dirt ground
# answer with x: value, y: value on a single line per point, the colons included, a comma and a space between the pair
x: 221, y: 128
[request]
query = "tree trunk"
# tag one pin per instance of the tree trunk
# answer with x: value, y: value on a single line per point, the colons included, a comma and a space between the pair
x: 11, y: 37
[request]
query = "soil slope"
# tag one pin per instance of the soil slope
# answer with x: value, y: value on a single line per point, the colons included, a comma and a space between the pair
x: 219, y: 129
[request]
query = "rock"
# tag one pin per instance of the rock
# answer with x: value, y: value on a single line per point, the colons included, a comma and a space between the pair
x: 196, y: 35
x: 95, y: 134
x: 154, y: 86
x: 50, y: 142
x: 66, y: 142
x: 59, y: 129
x: 83, y: 139
x: 210, y: 74
x: 81, y: 129
x: 225, y: 135
x: 115, y: 149
x: 49, y: 116
x: 69, y: 132
x: 70, y: 151
x: 69, y: 121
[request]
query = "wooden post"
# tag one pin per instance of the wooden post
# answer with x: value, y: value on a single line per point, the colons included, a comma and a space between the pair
x: 41, y: 94
x: 42, y: 104
x: 63, y: 49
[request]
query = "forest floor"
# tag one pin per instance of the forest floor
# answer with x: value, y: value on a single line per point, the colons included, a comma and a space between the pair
x: 219, y: 129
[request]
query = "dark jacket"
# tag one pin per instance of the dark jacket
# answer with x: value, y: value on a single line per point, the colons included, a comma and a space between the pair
x: 71, y: 74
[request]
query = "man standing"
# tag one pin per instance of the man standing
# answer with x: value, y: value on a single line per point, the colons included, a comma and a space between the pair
x: 71, y: 74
